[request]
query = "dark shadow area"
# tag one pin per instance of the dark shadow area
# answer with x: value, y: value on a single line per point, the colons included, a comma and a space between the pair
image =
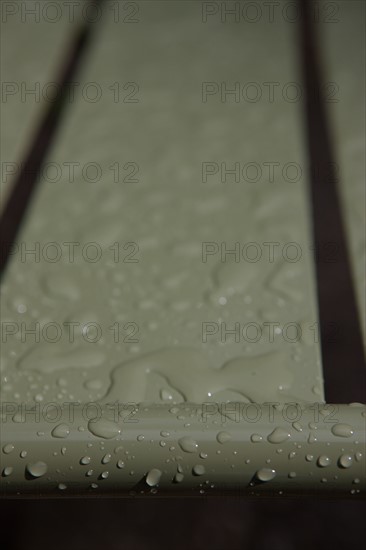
x: 341, y: 336
x: 157, y: 524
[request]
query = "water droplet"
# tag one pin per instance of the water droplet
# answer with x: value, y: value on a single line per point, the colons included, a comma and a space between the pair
x: 345, y: 461
x: 223, y: 437
x: 61, y: 431
x: 85, y: 460
x: 323, y: 461
x: 106, y: 458
x: 279, y: 435
x: 153, y: 477
x: 104, y: 428
x: 178, y: 478
x: 256, y: 438
x: 198, y: 470
x: 62, y: 486
x: 309, y: 458
x: 8, y: 448
x: 188, y: 444
x: 342, y: 430
x: 291, y: 475
x: 120, y: 464
x: 37, y: 469
x: 358, y: 456
x: 7, y: 471
x: 297, y: 426
x: 104, y: 475
x: 265, y: 474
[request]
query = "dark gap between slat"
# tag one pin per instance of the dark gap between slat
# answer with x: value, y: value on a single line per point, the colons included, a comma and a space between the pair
x: 27, y: 179
x: 340, y: 329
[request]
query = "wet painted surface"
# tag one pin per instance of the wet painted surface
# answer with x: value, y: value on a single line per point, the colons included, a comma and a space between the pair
x: 131, y: 292
x: 187, y: 450
x: 34, y: 40
x: 132, y: 283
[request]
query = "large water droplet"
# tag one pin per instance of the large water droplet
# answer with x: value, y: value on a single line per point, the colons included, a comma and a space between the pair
x: 323, y: 461
x: 198, y: 470
x: 223, y: 437
x: 61, y: 431
x: 153, y: 477
x: 37, y: 469
x: 265, y: 474
x: 345, y: 461
x: 188, y: 444
x: 279, y: 435
x: 342, y: 430
x: 104, y: 428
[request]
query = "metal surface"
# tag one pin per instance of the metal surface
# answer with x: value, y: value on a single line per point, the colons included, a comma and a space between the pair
x: 34, y: 39
x: 125, y: 288
x: 185, y: 450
